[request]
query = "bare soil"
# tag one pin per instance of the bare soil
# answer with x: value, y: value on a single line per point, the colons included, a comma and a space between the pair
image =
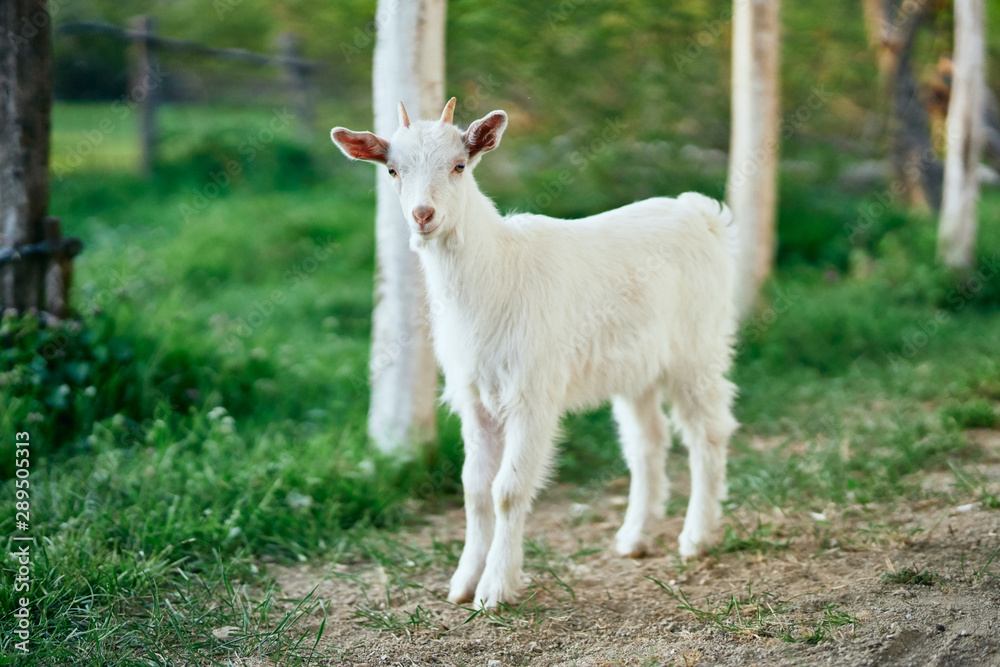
x: 909, y: 584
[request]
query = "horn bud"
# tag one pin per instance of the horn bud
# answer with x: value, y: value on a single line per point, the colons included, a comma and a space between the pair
x: 404, y: 120
x: 448, y: 115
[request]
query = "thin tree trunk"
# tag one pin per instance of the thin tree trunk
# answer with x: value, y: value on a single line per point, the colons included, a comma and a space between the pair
x: 409, y: 67
x: 751, y: 189
x: 25, y: 120
x: 965, y: 137
x: 892, y: 29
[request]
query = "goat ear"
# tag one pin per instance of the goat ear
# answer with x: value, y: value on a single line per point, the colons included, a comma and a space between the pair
x: 360, y: 145
x: 484, y: 134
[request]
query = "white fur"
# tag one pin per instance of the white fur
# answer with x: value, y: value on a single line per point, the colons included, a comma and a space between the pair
x: 534, y: 316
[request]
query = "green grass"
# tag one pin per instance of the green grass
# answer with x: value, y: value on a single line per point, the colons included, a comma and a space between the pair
x: 208, y: 417
x: 910, y: 577
x: 764, y: 615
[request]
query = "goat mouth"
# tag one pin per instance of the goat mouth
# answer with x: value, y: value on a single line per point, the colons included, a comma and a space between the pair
x: 427, y: 232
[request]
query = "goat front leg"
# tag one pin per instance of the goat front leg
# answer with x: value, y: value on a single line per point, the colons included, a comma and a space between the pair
x: 483, y: 439
x: 526, y: 457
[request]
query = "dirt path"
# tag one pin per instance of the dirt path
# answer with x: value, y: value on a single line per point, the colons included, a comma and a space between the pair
x: 905, y: 585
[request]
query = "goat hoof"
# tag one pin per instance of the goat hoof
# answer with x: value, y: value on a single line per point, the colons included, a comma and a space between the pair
x: 492, y: 592
x: 463, y: 587
x: 691, y: 547
x: 631, y: 546
x: 460, y: 597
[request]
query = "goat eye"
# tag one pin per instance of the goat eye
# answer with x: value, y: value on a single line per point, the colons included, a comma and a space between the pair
x: 459, y: 168
x: 392, y: 172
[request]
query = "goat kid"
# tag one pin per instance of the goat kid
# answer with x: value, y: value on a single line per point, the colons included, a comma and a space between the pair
x: 541, y: 316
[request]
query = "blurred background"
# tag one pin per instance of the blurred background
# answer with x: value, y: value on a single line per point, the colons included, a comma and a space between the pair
x: 208, y: 400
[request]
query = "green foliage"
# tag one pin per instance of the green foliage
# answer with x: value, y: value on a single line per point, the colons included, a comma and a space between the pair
x: 910, y: 577
x: 260, y: 149
x: 762, y: 615
x: 57, y: 380
x: 89, y: 67
x: 977, y: 413
x: 226, y: 335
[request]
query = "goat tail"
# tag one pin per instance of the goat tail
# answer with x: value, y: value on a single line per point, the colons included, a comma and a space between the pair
x: 718, y: 216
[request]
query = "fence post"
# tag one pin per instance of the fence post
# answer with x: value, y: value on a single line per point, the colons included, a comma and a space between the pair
x: 59, y: 271
x: 145, y: 80
x: 25, y: 121
x: 297, y: 77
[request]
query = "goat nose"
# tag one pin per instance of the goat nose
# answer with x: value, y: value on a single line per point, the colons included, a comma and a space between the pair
x: 423, y: 215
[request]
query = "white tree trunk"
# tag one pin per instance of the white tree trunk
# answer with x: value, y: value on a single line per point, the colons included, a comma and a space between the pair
x: 751, y: 189
x: 408, y: 68
x: 965, y: 137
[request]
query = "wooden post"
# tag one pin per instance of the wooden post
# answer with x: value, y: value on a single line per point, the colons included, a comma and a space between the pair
x: 59, y: 270
x: 144, y: 88
x: 751, y: 188
x: 297, y: 78
x: 965, y: 137
x: 25, y: 123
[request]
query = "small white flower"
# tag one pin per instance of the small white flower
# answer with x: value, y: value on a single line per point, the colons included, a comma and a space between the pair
x: 90, y: 391
x: 216, y: 413
x: 296, y: 500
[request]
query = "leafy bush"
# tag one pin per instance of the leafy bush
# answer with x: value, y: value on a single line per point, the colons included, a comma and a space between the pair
x: 977, y: 413
x: 216, y: 158
x: 60, y: 379
x: 57, y: 379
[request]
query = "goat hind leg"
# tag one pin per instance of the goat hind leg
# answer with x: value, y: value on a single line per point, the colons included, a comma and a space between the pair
x: 644, y: 433
x: 702, y: 411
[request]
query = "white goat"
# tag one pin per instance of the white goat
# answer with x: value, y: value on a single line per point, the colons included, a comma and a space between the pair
x: 533, y: 316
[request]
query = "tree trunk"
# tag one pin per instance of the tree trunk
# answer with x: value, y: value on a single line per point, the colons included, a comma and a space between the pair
x: 965, y: 137
x: 751, y: 189
x: 409, y: 67
x: 25, y: 120
x: 892, y: 29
